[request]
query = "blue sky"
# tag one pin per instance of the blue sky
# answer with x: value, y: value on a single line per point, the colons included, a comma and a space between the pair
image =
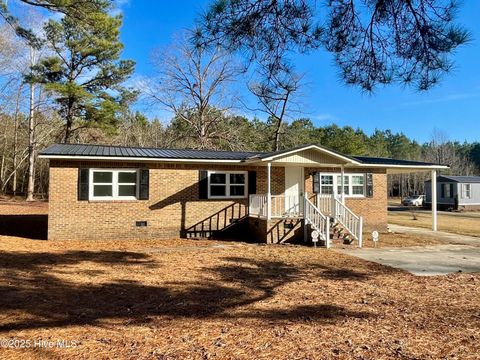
x: 452, y: 107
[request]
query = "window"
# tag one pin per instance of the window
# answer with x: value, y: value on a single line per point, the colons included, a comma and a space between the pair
x: 223, y: 184
x: 466, y: 191
x: 447, y: 191
x: 113, y: 184
x: 358, y: 185
x: 345, y: 184
x: 353, y: 184
x: 326, y: 184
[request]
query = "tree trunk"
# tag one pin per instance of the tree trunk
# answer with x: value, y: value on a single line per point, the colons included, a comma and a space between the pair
x: 31, y: 145
x: 15, y: 141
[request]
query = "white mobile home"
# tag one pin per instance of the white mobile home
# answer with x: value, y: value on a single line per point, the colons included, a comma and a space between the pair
x: 456, y: 192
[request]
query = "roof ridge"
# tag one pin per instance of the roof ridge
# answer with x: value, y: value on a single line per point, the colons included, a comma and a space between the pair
x: 160, y: 148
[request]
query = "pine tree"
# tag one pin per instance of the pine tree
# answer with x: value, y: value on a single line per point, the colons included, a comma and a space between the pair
x: 85, y: 74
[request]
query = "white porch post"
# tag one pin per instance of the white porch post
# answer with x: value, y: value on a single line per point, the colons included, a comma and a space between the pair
x: 342, y: 182
x: 269, y: 191
x: 434, y: 200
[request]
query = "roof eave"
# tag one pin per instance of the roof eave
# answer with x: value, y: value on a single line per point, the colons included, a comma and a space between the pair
x: 137, y: 159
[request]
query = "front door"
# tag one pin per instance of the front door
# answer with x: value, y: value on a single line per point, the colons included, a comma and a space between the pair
x: 294, y: 182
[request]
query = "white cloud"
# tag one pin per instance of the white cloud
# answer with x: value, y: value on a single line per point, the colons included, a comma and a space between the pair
x: 447, y: 98
x: 324, y: 117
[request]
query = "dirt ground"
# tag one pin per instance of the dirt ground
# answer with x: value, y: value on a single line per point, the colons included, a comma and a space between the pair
x: 457, y: 224
x: 186, y: 299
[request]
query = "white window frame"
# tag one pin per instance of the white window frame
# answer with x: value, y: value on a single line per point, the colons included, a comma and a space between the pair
x: 337, y: 184
x: 466, y: 191
x: 227, y: 185
x: 115, y: 185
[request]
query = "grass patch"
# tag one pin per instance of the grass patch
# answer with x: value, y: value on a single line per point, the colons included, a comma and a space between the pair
x: 450, y: 223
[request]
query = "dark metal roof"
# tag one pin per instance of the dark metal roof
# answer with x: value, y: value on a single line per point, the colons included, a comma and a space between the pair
x: 73, y: 150
x: 140, y: 152
x: 458, y: 179
x: 388, y: 161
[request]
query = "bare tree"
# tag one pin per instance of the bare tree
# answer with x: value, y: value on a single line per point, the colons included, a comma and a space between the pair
x: 195, y: 85
x: 277, y: 95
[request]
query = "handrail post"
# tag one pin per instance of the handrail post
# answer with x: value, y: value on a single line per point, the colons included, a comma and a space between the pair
x: 360, y: 232
x: 334, y: 207
x: 305, y: 231
x: 269, y: 191
x: 327, y: 232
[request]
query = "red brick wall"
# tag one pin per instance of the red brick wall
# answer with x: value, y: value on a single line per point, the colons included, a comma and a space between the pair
x: 374, y: 209
x: 173, y: 207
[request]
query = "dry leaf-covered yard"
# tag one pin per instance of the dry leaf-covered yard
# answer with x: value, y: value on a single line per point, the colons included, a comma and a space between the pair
x: 178, y: 299
x: 204, y: 299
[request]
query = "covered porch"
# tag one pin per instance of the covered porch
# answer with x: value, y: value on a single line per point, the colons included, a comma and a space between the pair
x: 323, y: 188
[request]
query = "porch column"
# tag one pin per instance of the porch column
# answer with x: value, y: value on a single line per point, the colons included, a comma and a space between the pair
x: 342, y: 182
x: 269, y: 191
x: 434, y: 200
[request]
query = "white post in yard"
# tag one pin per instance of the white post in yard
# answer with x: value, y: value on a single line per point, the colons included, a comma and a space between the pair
x: 360, y: 232
x: 434, y: 200
x: 342, y: 182
x: 269, y: 191
x: 327, y: 233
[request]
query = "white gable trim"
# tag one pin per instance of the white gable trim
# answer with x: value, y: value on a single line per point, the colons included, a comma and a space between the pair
x: 318, y: 148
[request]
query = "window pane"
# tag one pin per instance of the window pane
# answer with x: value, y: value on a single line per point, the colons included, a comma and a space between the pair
x: 218, y: 190
x: 237, y: 190
x: 102, y: 190
x: 339, y: 180
x: 102, y: 176
x: 218, y: 178
x: 358, y: 190
x: 327, y: 180
x: 346, y: 189
x: 127, y: 177
x: 357, y: 179
x: 327, y: 190
x: 126, y: 190
x: 237, y: 178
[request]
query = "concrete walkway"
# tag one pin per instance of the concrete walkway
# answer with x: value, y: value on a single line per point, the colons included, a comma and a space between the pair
x: 459, y: 254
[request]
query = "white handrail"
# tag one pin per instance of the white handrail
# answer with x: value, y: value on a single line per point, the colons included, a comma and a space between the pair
x: 350, y: 221
x: 280, y: 205
x: 258, y: 205
x: 317, y: 220
x: 324, y: 203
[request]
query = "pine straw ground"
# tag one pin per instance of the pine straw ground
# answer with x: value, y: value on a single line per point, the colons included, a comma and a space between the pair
x: 186, y: 299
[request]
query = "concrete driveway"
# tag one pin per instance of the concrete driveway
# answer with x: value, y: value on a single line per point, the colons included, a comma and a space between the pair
x: 459, y: 253
x: 424, y: 261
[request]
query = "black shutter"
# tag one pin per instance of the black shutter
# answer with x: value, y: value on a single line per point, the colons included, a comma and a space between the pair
x: 451, y: 191
x: 316, y: 182
x: 203, y: 184
x: 82, y: 188
x: 443, y: 191
x: 369, y: 186
x: 252, y: 182
x: 144, y: 189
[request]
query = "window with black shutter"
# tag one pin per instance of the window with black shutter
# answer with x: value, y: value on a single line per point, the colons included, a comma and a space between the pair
x: 83, y: 185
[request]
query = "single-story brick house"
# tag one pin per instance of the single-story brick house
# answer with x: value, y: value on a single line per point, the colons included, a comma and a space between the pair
x: 461, y: 192
x: 113, y: 192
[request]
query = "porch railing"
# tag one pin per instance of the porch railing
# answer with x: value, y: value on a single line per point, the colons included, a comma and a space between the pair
x: 258, y: 205
x: 324, y: 203
x: 351, y: 222
x: 281, y: 206
x: 317, y: 221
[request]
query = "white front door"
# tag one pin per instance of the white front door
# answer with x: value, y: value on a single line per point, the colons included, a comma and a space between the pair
x: 294, y: 182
